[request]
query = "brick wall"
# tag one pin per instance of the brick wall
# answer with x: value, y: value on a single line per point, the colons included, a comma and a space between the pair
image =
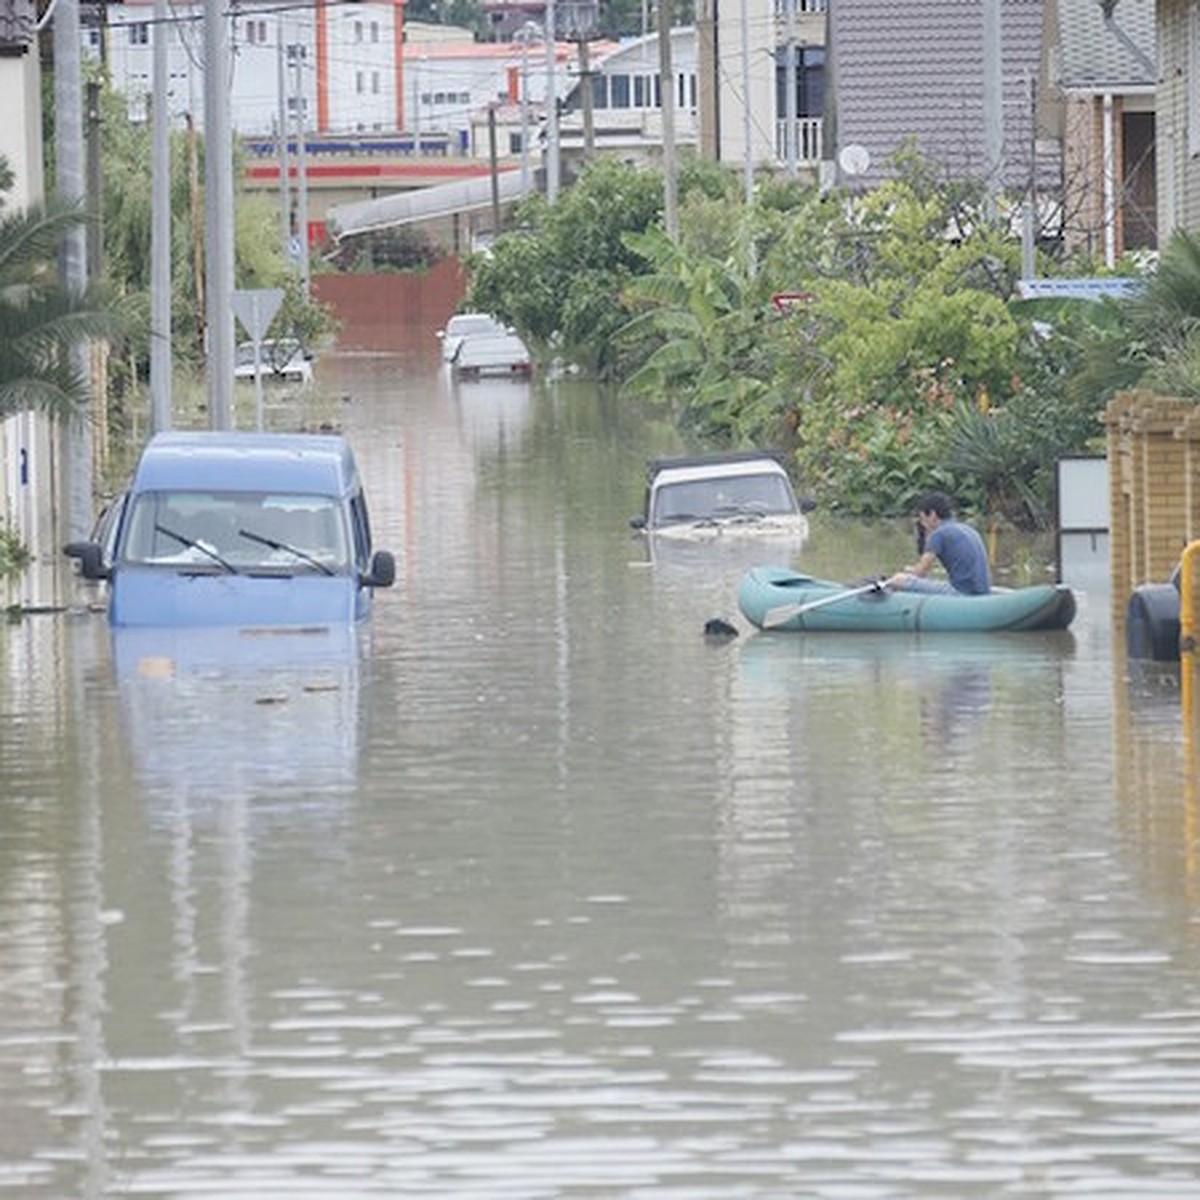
x: 1154, y: 460
x: 380, y: 312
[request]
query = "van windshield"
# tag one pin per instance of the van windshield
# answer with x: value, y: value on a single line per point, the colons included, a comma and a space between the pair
x: 237, y: 532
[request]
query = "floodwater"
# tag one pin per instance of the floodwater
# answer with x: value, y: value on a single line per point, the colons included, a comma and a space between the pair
x: 533, y: 890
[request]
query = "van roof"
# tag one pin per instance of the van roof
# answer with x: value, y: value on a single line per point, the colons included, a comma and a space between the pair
x: 321, y: 464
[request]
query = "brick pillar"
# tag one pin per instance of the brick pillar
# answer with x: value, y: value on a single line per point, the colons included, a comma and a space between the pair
x: 1164, y: 515
x: 1189, y: 432
x: 1119, y: 500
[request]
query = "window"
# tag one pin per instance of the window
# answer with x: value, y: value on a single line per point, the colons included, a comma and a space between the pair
x: 619, y: 91
x: 139, y: 34
x: 358, y: 31
x: 375, y: 83
x: 374, y: 31
x: 639, y: 91
x: 599, y: 91
x: 810, y: 81
x: 358, y: 82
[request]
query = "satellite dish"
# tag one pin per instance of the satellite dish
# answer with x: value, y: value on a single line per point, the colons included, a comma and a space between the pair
x: 854, y: 159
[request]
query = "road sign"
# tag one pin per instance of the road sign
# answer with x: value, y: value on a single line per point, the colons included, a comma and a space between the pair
x: 256, y: 309
x: 1118, y: 287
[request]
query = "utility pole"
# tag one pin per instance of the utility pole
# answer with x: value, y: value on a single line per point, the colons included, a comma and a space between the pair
x: 297, y: 53
x: 524, y: 35
x: 551, y: 108
x: 281, y: 132
x: 160, y: 232
x: 95, y: 183
x: 666, y: 74
x: 790, y: 114
x: 218, y: 215
x: 72, y: 262
x: 493, y: 164
x: 95, y: 266
x: 993, y: 106
x: 747, y: 126
x: 587, y: 105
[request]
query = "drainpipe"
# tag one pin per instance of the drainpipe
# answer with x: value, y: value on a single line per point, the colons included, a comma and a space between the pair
x: 1110, y: 232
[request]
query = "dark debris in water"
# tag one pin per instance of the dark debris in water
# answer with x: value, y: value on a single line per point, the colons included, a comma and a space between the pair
x: 719, y: 629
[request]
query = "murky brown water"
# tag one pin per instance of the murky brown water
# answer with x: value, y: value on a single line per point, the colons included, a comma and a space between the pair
x: 537, y: 893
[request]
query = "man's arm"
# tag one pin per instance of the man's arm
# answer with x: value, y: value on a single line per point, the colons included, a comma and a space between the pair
x: 920, y: 569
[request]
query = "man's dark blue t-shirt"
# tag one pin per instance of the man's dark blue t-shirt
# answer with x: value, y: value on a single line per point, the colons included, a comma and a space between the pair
x: 961, y: 551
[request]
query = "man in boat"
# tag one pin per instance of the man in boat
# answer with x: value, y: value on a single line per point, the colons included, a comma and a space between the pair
x: 956, y: 546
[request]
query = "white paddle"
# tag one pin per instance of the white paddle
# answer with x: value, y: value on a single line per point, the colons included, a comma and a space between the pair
x: 782, y: 614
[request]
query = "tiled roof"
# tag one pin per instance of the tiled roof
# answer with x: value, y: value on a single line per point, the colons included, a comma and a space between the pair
x: 915, y: 70
x: 1099, y: 52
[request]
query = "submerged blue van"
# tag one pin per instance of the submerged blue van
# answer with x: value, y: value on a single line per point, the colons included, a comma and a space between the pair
x: 245, y: 529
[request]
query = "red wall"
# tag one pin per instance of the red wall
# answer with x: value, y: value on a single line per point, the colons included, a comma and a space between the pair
x: 380, y: 312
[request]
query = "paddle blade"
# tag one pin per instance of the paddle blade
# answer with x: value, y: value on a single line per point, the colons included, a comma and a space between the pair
x: 774, y: 617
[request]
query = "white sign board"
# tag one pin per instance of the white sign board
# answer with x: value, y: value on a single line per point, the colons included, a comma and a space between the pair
x: 1118, y: 287
x: 1083, y: 501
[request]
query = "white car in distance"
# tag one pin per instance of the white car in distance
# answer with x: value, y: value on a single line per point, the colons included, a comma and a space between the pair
x: 279, y: 359
x: 463, y: 325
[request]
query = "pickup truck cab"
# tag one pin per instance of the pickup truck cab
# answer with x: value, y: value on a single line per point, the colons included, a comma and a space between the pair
x: 737, y: 494
x: 245, y: 529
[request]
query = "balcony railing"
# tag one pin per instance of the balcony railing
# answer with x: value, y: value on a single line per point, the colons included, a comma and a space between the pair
x: 809, y: 133
x: 802, y: 7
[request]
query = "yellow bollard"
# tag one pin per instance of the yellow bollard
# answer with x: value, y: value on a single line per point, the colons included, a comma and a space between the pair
x: 1187, y: 630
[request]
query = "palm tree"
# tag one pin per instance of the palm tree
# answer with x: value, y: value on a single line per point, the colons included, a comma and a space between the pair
x: 40, y: 320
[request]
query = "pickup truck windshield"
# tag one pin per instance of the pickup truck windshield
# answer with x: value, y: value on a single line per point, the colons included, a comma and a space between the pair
x: 237, y: 532
x: 723, y: 497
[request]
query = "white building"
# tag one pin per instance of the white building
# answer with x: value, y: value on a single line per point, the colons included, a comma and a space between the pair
x: 353, y: 68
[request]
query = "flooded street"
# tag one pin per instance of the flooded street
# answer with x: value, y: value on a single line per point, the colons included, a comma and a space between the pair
x: 532, y: 891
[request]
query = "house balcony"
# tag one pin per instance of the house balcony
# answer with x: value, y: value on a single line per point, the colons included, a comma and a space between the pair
x: 809, y: 133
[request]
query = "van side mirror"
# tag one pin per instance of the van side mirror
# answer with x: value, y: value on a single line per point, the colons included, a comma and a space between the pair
x: 383, y: 570
x: 91, y: 559
x: 638, y: 522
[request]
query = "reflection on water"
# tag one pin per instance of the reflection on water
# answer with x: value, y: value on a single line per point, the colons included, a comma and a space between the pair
x: 494, y: 412
x: 227, y: 710
x: 594, y: 905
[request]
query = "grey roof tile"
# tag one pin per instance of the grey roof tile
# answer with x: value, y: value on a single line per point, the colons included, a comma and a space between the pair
x: 1115, y: 52
x: 915, y: 70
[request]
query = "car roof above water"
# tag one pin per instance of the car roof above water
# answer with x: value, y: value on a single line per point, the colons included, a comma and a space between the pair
x: 686, y: 468
x: 321, y: 464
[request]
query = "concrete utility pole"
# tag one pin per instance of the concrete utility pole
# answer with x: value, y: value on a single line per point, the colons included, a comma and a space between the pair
x: 218, y: 216
x: 72, y: 265
x: 790, y: 113
x: 993, y: 106
x: 297, y: 53
x: 551, y: 108
x: 666, y: 74
x: 747, y: 124
x: 281, y: 132
x: 524, y: 35
x: 160, y: 232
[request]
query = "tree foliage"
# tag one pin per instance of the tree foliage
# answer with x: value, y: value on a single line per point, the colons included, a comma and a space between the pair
x: 259, y: 256
x: 41, y: 321
x: 905, y: 364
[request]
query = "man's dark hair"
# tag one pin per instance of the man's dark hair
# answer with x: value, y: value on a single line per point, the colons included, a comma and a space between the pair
x: 937, y: 502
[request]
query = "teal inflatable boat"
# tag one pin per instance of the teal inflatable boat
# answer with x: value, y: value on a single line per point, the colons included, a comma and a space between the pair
x: 779, y: 598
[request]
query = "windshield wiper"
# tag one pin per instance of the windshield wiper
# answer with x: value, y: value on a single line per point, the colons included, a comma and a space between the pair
x: 194, y: 545
x: 266, y: 541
